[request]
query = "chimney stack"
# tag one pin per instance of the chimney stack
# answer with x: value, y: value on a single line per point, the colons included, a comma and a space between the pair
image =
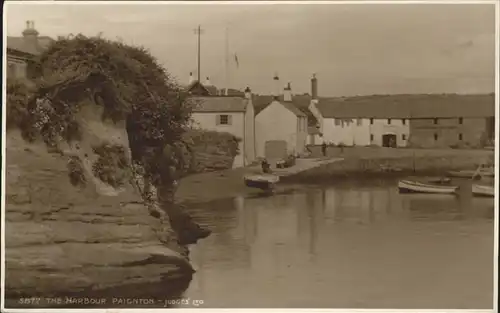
x: 248, y: 93
x: 207, y: 82
x: 277, y: 88
x: 30, y: 34
x: 314, y: 87
x: 191, y: 78
x: 287, y: 96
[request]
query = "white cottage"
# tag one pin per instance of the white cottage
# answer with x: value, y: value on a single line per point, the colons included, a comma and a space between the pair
x: 280, y: 128
x: 361, y: 121
x: 234, y: 115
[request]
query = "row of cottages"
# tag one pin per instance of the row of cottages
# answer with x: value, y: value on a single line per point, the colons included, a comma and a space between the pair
x: 21, y: 52
x: 271, y: 126
x: 423, y: 121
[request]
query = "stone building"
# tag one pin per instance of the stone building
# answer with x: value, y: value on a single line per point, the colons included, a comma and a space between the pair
x: 21, y: 51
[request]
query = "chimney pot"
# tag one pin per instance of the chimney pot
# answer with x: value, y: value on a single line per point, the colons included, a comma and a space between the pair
x: 248, y: 93
x: 287, y: 96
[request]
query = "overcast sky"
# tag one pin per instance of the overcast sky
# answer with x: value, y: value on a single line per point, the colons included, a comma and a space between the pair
x: 355, y: 49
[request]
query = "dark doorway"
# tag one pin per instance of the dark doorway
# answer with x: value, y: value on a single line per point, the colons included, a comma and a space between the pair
x: 275, y: 149
x: 389, y: 140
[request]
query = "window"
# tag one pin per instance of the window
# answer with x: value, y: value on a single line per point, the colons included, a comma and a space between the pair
x: 460, y: 120
x: 371, y: 137
x: 404, y: 121
x: 371, y: 121
x: 223, y: 119
x: 435, y: 121
x: 435, y: 137
x: 389, y: 121
x: 403, y: 136
x: 359, y: 122
x: 460, y: 137
x: 337, y: 122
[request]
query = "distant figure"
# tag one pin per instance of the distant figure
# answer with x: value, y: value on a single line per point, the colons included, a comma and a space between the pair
x: 323, y: 148
x: 266, y: 167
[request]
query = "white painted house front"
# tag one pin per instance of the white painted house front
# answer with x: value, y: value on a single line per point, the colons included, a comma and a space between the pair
x: 281, y: 130
x: 234, y: 115
x: 355, y: 122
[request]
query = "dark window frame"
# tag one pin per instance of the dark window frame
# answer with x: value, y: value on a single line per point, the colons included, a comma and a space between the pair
x: 224, y: 119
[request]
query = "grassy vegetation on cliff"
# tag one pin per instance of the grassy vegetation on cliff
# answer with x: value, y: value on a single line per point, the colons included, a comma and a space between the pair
x: 126, y: 81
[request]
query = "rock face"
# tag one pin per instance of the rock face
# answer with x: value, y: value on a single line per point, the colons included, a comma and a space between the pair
x: 64, y: 239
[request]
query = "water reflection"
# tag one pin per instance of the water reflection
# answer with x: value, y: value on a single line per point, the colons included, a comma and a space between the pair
x: 345, y: 246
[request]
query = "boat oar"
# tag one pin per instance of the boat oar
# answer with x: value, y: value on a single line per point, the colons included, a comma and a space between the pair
x: 477, y: 172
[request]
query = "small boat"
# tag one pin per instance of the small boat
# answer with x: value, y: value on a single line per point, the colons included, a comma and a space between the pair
x: 412, y: 186
x: 465, y: 174
x: 483, y: 190
x: 431, y: 180
x: 264, y: 182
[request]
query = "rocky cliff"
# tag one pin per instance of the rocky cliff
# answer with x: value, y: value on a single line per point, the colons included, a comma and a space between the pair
x: 70, y: 231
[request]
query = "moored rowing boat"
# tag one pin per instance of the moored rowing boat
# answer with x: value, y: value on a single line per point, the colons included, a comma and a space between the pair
x: 483, y: 190
x: 408, y: 186
x: 487, y: 172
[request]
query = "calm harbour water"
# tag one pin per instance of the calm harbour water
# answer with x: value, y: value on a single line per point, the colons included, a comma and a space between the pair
x: 347, y: 245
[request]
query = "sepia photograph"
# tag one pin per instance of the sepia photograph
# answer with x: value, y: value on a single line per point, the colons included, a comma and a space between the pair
x: 249, y: 155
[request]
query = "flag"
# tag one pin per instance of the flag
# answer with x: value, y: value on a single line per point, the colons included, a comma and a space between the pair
x: 236, y: 60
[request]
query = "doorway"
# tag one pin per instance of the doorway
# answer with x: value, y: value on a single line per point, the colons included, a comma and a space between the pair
x: 389, y: 140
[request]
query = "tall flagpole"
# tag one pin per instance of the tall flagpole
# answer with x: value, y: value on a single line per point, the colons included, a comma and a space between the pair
x: 199, y: 31
x: 227, y: 61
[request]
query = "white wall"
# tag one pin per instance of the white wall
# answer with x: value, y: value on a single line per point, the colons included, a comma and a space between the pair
x: 275, y: 122
x: 347, y: 133
x: 249, y: 130
x: 381, y: 127
x: 208, y: 121
x: 301, y: 134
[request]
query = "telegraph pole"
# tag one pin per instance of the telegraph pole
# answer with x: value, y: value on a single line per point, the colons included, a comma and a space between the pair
x: 198, y: 32
x: 227, y: 61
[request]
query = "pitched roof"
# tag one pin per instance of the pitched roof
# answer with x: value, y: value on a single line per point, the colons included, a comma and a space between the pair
x: 409, y: 106
x: 22, y: 45
x: 200, y: 89
x: 298, y: 106
x: 292, y: 108
x: 260, y: 102
x: 218, y: 104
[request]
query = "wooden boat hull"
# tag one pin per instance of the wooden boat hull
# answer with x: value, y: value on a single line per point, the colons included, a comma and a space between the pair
x: 263, y: 182
x: 431, y: 180
x: 408, y: 186
x: 470, y: 174
x: 483, y: 191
